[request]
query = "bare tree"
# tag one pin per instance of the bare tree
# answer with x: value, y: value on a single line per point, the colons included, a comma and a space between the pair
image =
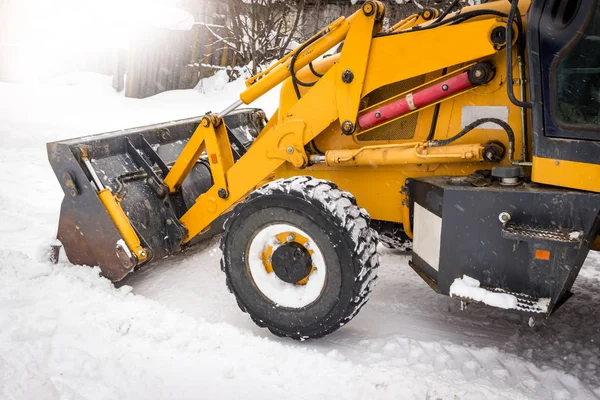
x: 259, y: 31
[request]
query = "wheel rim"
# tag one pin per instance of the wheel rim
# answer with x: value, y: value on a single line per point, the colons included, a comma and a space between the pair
x: 259, y: 262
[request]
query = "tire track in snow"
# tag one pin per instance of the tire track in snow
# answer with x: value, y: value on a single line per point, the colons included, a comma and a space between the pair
x: 401, y: 308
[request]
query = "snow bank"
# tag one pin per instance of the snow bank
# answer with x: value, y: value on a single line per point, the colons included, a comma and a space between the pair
x: 79, y: 104
x: 67, y: 333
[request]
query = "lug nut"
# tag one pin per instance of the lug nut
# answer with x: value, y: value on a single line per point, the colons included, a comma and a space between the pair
x: 291, y: 237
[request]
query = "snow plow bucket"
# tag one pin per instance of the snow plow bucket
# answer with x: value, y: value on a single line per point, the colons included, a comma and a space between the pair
x: 115, y: 195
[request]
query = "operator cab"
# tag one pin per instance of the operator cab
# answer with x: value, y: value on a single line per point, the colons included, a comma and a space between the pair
x: 564, y: 69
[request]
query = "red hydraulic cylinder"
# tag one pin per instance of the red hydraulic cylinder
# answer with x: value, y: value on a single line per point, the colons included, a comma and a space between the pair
x: 413, y: 101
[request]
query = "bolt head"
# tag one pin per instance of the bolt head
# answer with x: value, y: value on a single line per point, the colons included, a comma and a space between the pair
x: 291, y: 237
x: 290, y: 150
x: 222, y: 193
x: 504, y: 217
x: 445, y: 87
x: 347, y: 128
x: 347, y: 76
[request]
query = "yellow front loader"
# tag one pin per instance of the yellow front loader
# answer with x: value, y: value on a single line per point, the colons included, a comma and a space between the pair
x: 469, y: 139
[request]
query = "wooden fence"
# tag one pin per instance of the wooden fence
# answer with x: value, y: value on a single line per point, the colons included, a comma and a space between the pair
x: 167, y: 60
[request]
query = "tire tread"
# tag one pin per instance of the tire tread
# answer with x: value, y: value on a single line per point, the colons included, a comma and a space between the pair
x: 346, y: 214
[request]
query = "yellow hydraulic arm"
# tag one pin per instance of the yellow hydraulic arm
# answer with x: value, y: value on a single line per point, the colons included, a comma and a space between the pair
x: 367, y: 61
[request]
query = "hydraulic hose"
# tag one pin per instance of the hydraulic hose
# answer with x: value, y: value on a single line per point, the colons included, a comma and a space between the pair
x: 509, y: 72
x: 446, y: 11
x: 295, y: 80
x: 509, y: 132
x: 455, y: 19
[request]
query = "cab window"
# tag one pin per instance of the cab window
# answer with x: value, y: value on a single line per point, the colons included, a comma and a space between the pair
x: 578, y: 80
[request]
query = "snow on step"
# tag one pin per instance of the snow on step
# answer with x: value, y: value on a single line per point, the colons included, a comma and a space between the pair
x: 470, y: 288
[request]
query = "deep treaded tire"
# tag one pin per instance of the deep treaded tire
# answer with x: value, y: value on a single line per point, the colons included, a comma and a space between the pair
x: 341, y: 231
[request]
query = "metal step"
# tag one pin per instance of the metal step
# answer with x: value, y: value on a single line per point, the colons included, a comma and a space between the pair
x: 535, y: 233
x: 526, y: 303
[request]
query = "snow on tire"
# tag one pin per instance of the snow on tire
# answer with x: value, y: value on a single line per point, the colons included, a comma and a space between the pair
x: 300, y: 257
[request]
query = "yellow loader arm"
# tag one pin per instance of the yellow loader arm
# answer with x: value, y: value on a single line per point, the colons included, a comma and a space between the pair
x: 366, y: 62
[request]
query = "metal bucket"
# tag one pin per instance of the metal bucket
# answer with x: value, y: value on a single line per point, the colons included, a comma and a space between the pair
x: 132, y: 164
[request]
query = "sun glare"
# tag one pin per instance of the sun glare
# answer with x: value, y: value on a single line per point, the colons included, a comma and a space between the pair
x: 39, y: 36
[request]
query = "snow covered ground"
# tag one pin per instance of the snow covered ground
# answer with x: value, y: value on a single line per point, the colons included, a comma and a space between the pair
x: 173, y: 330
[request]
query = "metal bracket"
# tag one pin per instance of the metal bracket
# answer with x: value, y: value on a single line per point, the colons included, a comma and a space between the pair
x: 352, y: 66
x: 290, y: 146
x: 154, y: 181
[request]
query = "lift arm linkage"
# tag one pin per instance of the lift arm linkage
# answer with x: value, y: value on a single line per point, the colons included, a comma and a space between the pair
x: 373, y: 60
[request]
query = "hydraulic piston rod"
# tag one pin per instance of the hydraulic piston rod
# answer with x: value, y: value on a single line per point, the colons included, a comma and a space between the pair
x: 479, y: 74
x: 413, y: 101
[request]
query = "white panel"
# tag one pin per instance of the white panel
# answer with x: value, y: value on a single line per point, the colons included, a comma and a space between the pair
x: 473, y: 113
x: 427, y: 234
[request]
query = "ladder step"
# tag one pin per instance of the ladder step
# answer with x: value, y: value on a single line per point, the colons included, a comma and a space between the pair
x: 532, y: 233
x: 525, y: 302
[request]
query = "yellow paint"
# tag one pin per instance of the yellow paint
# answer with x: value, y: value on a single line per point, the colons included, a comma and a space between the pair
x: 282, y: 238
x: 353, y: 60
x: 405, y: 23
x: 188, y: 157
x: 280, y: 150
x: 219, y: 150
x: 405, y: 205
x: 412, y: 57
x: 409, y: 153
x: 122, y: 223
x: 278, y: 72
x: 571, y: 174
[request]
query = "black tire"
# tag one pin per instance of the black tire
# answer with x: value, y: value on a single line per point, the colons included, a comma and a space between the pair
x: 392, y: 236
x: 342, y: 232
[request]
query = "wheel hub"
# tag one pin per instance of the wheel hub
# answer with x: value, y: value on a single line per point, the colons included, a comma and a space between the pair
x: 291, y: 262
